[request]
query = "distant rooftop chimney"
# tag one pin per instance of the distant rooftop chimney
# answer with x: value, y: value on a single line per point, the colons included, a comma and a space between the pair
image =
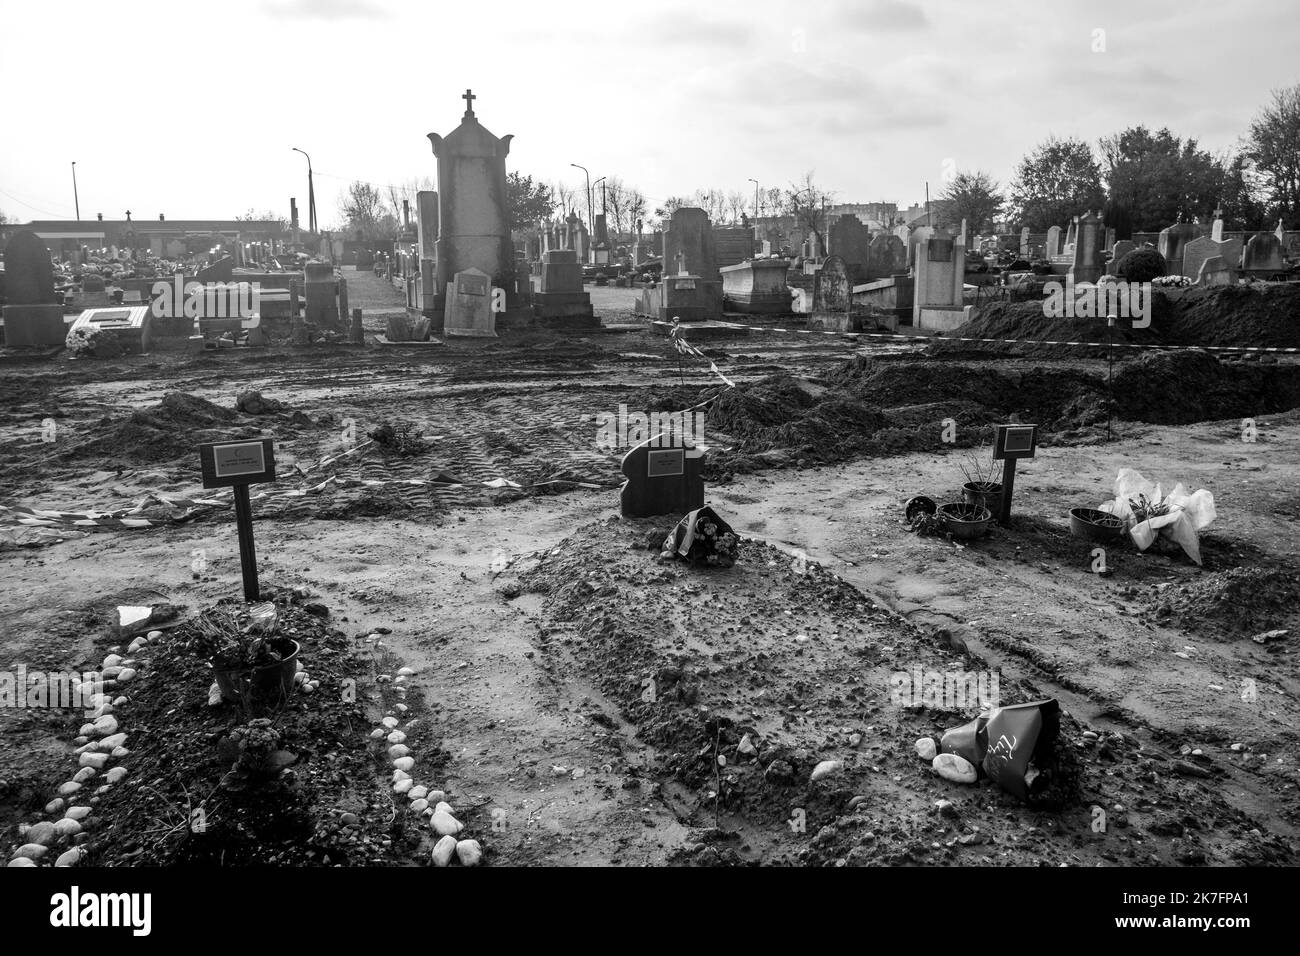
x: 161, y: 217
x: 100, y: 216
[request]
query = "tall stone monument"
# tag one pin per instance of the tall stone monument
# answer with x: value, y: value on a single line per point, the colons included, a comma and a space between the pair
x: 473, y: 221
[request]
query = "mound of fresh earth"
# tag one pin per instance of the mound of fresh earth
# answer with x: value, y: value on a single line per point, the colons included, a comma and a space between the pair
x: 743, y: 681
x: 878, y: 406
x: 165, y: 432
x: 1236, y: 603
x: 1253, y: 316
x: 177, y: 765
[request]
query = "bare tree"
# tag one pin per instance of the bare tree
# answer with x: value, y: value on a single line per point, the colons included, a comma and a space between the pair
x: 362, y: 208
x: 624, y: 204
x: 565, y: 198
x: 736, y: 205
x: 806, y: 202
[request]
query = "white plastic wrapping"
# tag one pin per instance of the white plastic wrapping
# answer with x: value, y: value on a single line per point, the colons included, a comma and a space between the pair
x: 1188, y: 514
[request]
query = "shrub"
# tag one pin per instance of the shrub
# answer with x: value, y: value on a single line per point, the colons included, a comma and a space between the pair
x: 1141, y: 265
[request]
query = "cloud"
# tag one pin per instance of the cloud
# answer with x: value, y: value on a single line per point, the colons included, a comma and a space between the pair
x: 325, y: 9
x: 889, y: 16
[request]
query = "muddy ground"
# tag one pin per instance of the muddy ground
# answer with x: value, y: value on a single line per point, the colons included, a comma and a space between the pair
x: 537, y: 621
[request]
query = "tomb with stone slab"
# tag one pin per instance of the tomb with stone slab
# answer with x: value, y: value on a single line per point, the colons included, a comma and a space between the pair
x: 469, y: 306
x: 756, y: 287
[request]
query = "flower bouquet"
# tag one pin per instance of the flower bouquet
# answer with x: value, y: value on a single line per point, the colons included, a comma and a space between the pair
x: 703, y: 538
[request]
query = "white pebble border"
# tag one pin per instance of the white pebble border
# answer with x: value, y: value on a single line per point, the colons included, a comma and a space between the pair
x: 423, y: 800
x: 98, y: 741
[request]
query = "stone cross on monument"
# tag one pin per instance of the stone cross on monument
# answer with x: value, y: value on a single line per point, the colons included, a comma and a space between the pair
x: 469, y: 99
x: 681, y: 263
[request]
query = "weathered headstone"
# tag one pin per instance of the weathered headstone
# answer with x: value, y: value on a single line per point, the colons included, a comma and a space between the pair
x: 320, y: 289
x: 558, y: 291
x: 469, y: 305
x: 1173, y: 240
x: 1215, y: 271
x: 1087, y: 265
x: 1118, y: 252
x: 851, y: 241
x: 32, y: 316
x: 1263, y: 254
x: 1053, y: 242
x: 887, y: 256
x: 937, y: 301
x: 1024, y: 242
x: 1198, y: 250
x: 832, y: 297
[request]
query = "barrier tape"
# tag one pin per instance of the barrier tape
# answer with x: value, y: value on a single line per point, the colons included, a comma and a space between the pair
x: 931, y: 339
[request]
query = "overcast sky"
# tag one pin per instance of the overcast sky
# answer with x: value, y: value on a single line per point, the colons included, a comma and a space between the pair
x: 191, y: 109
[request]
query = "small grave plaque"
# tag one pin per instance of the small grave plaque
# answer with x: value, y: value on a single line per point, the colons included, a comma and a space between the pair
x: 670, y: 461
x: 236, y: 464
x: 1013, y: 442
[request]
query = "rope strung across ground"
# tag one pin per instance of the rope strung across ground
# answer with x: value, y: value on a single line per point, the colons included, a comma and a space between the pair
x: 929, y: 340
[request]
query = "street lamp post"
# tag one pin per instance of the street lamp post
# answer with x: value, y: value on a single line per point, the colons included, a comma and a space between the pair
x: 602, y: 193
x: 311, y: 193
x: 76, y: 202
x: 755, y: 182
x: 590, y: 223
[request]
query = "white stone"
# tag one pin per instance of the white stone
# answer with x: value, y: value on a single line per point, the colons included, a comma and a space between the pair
x: 440, y: 806
x: 42, y: 833
x: 154, y: 635
x: 397, y: 737
x: 24, y: 861
x: 405, y: 672
x: 444, y: 824
x: 398, y: 750
x: 97, y: 761
x: 84, y: 774
x: 71, y: 857
x: 418, y: 805
x: 67, y: 828
x: 402, y: 786
x: 77, y: 813
x: 926, y: 750
x: 119, y: 701
x: 119, y: 752
x: 401, y: 775
x: 105, y: 726
x: 955, y: 768
x: 112, y: 660
x: 389, y: 722
x: 136, y: 645
x: 419, y: 792
x: 469, y: 852
x: 33, y: 851
x: 825, y: 769
x: 436, y: 796
x: 114, y: 775
x: 404, y: 763
x: 377, y: 734
x: 70, y: 787
x: 127, y: 674
x: 110, y: 673
x: 112, y: 742
x: 55, y: 805
x: 86, y: 730
x: 444, y: 850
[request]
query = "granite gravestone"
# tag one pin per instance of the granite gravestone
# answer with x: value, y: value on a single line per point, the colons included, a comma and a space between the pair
x: 662, y: 481
x: 832, y: 297
x: 469, y: 305
x: 473, y: 215
x: 1198, y: 250
x: 1215, y: 271
x: 887, y: 256
x: 32, y: 315
x: 1263, y: 254
x: 1118, y: 252
x: 851, y: 241
x: 1173, y: 240
x: 1053, y: 242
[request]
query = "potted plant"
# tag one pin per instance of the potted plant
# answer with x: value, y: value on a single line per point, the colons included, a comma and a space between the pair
x: 250, y: 663
x: 982, y: 488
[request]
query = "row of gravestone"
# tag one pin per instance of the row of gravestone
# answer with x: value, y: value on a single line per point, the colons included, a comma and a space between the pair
x: 32, y: 314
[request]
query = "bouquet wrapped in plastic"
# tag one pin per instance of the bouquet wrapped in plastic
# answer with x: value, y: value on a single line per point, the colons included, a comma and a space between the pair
x: 703, y: 538
x: 1147, y: 512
